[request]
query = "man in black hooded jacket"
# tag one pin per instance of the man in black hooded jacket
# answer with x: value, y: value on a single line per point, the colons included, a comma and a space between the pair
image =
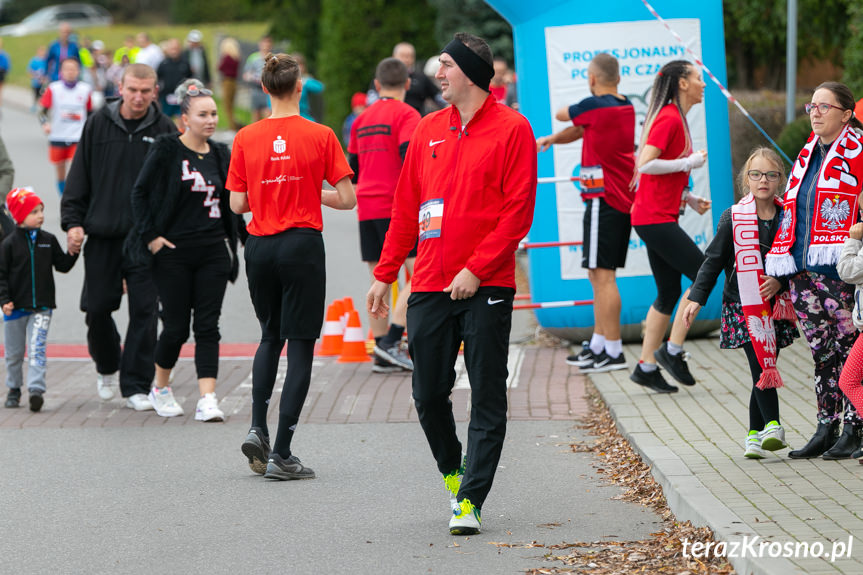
x: 97, y: 203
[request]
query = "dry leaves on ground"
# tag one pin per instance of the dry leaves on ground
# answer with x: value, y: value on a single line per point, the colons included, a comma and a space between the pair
x: 663, y: 553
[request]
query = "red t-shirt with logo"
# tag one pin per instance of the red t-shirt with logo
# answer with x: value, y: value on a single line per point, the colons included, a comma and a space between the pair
x: 609, y: 142
x: 657, y: 200
x: 281, y: 163
x: 376, y: 136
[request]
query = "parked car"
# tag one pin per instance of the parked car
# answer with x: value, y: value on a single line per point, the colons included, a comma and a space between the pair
x: 48, y: 19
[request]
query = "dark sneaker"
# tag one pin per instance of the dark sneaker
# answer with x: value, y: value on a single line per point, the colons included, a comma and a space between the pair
x: 284, y: 469
x: 652, y: 379
x: 583, y: 358
x: 13, y: 398
x: 675, y: 365
x: 383, y: 366
x: 395, y: 355
x: 36, y: 400
x: 605, y: 362
x: 257, y: 448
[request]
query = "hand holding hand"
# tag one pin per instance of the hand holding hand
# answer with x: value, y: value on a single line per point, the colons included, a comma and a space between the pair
x: 74, y: 239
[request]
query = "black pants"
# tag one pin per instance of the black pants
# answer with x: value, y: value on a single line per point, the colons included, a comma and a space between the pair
x: 763, y: 403
x: 104, y: 272
x: 671, y: 253
x: 287, y: 283
x: 436, y: 327
x: 191, y: 278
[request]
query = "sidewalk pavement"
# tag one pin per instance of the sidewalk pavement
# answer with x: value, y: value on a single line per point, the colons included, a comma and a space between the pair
x: 693, y: 440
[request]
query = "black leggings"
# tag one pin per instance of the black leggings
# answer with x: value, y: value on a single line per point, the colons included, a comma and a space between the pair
x: 672, y: 254
x: 763, y: 403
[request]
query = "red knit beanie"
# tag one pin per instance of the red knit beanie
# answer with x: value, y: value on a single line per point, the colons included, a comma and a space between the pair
x: 22, y: 201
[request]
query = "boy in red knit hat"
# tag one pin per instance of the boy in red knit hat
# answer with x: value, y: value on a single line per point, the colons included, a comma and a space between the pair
x: 27, y: 257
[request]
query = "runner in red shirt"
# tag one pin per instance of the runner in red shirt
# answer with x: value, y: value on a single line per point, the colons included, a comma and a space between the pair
x: 467, y: 190
x: 278, y: 166
x: 379, y: 142
x: 664, y: 163
x: 606, y: 122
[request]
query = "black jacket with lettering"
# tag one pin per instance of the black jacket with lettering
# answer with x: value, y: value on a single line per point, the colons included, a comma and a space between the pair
x: 26, y: 274
x: 106, y: 164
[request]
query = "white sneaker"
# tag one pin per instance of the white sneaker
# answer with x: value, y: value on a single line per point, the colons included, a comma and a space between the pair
x: 139, y: 402
x: 753, y: 448
x: 164, y: 403
x: 208, y: 409
x: 772, y: 437
x: 467, y: 521
x: 106, y: 385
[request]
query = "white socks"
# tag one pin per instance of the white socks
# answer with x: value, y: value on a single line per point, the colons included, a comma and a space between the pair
x: 674, y: 349
x: 614, y: 347
x: 597, y: 343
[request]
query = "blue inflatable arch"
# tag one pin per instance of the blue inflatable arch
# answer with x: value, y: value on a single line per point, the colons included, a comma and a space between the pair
x: 554, y: 41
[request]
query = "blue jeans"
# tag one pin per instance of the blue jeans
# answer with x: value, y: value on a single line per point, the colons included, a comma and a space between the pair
x: 30, y: 331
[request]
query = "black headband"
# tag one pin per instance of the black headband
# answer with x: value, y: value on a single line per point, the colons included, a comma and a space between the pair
x: 474, y: 67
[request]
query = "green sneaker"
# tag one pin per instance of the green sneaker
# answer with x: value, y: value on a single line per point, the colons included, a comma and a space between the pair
x: 467, y: 521
x: 452, y: 482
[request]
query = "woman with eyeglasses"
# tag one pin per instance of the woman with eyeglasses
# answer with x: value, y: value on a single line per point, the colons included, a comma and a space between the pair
x: 749, y: 298
x: 277, y: 170
x: 820, y: 206
x: 663, y: 166
x: 184, y: 224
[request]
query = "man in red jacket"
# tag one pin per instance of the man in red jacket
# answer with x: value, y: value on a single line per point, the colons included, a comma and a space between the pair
x: 467, y: 189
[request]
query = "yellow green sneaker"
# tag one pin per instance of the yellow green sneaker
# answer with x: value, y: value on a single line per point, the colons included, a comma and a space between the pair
x: 452, y: 483
x: 467, y: 521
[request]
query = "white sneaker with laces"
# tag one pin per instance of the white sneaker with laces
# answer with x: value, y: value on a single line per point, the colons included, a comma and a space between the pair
x: 139, y: 402
x: 208, y: 409
x: 106, y: 385
x: 164, y: 403
x: 772, y: 437
x: 466, y: 521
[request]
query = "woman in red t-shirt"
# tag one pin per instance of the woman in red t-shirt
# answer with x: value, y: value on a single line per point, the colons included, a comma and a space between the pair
x: 663, y: 165
x: 278, y: 166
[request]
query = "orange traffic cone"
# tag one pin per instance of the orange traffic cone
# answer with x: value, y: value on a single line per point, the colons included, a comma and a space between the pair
x: 331, y: 342
x: 347, y: 308
x: 353, y: 343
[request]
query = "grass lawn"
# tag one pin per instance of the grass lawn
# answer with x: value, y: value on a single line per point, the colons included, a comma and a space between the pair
x: 22, y: 48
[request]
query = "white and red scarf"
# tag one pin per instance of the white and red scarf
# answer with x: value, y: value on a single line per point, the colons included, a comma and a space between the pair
x: 758, y: 312
x: 837, y: 187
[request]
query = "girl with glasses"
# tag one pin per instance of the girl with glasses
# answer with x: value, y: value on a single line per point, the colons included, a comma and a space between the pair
x: 185, y: 226
x: 820, y: 207
x: 749, y: 298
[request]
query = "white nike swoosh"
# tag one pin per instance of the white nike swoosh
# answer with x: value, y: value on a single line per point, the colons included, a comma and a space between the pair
x: 433, y: 143
x: 494, y: 301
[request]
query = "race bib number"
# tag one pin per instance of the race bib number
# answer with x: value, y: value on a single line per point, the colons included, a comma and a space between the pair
x: 592, y: 181
x: 431, y: 217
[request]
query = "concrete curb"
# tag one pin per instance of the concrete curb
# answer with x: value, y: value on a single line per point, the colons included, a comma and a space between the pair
x: 687, y: 497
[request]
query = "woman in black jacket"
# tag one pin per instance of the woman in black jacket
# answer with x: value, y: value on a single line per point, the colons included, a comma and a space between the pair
x: 184, y: 223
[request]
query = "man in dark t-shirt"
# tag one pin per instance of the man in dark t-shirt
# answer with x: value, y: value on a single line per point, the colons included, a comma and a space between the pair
x: 606, y: 123
x: 421, y: 87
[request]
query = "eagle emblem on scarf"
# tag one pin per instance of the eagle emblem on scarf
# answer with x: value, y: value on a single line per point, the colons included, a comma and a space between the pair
x: 785, y: 224
x: 761, y: 328
x: 834, y: 213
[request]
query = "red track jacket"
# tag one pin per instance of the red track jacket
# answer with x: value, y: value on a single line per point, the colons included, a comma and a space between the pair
x: 469, y: 195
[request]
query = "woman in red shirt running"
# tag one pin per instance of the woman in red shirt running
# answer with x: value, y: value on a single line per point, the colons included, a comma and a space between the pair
x: 278, y: 166
x: 663, y: 165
